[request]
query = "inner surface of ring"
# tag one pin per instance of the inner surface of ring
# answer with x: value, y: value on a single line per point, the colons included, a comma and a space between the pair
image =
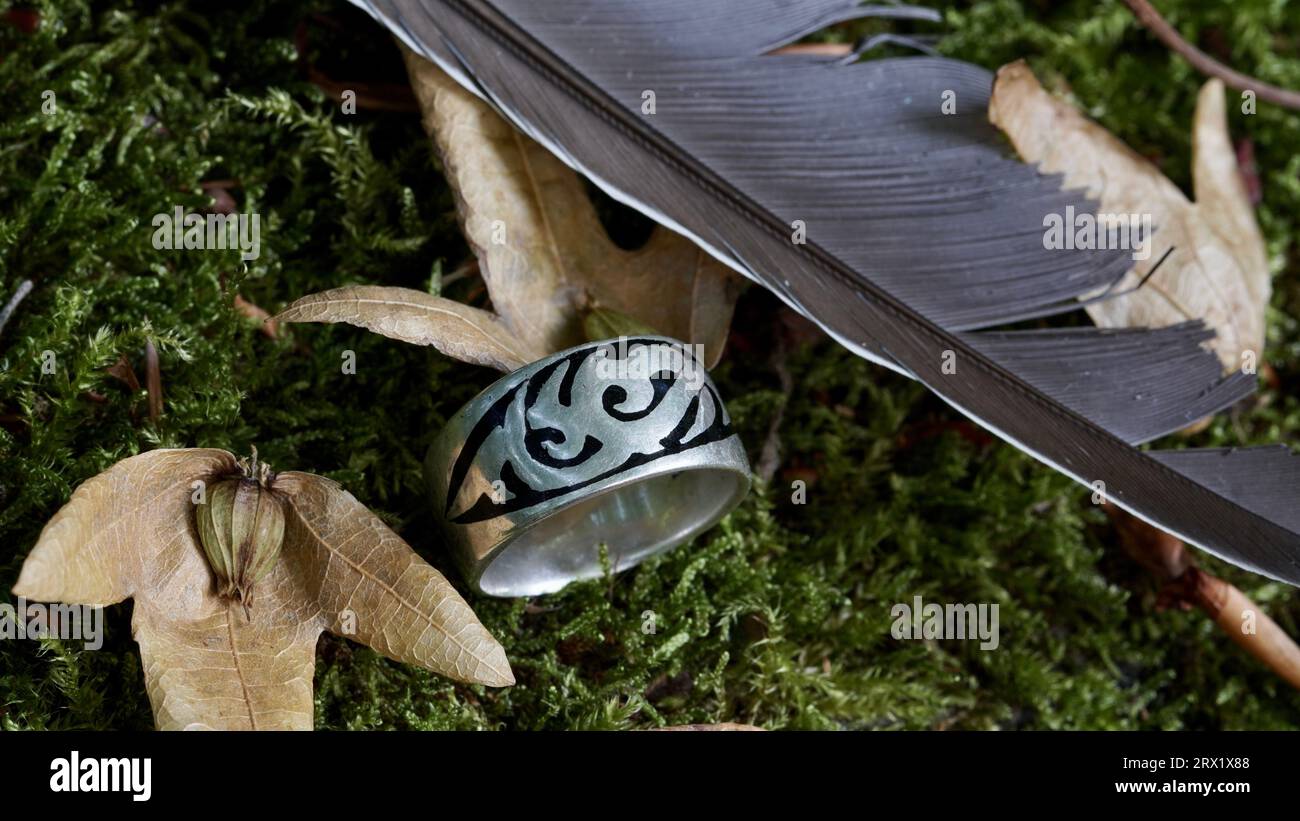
x: 634, y: 522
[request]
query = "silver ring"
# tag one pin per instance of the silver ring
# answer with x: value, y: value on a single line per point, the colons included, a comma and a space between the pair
x: 623, y: 444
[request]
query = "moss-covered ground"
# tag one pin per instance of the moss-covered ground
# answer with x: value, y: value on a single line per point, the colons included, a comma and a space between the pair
x: 779, y: 616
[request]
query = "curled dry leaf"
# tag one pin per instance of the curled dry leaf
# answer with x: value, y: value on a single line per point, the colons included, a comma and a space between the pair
x: 268, y: 326
x: 1219, y: 268
x: 542, y: 250
x: 123, y: 372
x: 544, y: 254
x: 458, y: 330
x: 130, y: 533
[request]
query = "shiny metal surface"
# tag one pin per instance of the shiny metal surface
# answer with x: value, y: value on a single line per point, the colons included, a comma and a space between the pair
x: 623, y: 443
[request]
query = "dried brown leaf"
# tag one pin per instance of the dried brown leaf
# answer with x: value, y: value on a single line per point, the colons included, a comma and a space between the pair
x: 726, y: 726
x: 125, y: 529
x: 672, y: 285
x: 543, y: 252
x: 265, y: 323
x: 129, y: 532
x: 122, y: 371
x: 1223, y: 199
x: 223, y: 670
x: 456, y: 329
x: 383, y: 595
x: 1218, y: 271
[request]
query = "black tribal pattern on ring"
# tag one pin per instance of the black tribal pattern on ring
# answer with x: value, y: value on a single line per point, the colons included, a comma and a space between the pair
x: 612, y: 397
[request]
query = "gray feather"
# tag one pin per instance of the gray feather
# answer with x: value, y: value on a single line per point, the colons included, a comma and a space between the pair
x: 921, y: 232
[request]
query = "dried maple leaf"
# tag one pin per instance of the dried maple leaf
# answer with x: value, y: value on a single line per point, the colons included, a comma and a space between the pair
x: 542, y: 250
x: 1219, y: 268
x: 130, y: 533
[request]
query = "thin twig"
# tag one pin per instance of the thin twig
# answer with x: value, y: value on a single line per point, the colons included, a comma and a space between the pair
x: 469, y: 269
x: 770, y: 459
x: 153, y: 380
x: 24, y: 288
x: 1186, y: 585
x: 1167, y: 34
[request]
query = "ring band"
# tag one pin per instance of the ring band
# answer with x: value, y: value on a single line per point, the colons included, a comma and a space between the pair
x: 623, y: 444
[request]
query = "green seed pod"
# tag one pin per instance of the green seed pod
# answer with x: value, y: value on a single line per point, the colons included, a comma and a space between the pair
x: 241, y: 528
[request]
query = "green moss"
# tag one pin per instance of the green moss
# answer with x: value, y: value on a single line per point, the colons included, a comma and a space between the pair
x: 780, y: 616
